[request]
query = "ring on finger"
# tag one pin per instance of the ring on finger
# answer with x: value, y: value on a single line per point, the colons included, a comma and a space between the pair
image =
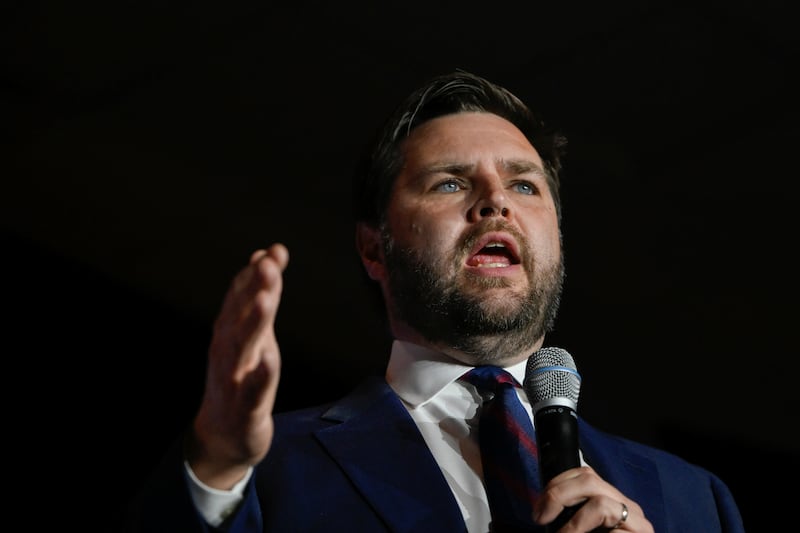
x: 622, y: 518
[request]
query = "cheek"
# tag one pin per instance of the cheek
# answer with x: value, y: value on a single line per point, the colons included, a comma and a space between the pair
x: 552, y: 255
x: 417, y: 228
x: 545, y: 240
x: 424, y: 238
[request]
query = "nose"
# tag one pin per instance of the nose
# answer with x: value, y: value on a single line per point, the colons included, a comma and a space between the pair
x: 491, y: 203
x: 490, y: 211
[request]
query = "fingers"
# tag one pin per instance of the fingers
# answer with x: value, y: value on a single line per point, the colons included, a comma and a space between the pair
x: 277, y: 252
x: 233, y: 427
x: 263, y: 272
x: 255, y: 307
x: 244, y: 357
x: 601, y: 505
x: 604, y: 513
x: 247, y: 318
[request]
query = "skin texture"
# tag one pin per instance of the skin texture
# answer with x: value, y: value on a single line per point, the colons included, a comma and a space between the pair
x: 469, y: 179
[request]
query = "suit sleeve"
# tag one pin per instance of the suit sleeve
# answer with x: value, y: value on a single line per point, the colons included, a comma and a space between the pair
x: 164, y: 503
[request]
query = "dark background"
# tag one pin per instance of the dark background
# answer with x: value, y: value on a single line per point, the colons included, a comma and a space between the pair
x: 150, y: 147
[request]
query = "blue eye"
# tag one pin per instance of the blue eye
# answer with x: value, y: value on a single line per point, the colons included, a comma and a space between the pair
x: 525, y: 188
x: 448, y: 186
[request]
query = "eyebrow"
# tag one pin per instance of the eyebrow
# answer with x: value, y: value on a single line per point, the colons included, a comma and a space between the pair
x: 522, y: 166
x: 516, y: 166
x: 458, y: 169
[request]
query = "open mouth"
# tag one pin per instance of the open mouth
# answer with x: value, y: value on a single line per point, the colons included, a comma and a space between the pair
x: 494, y: 251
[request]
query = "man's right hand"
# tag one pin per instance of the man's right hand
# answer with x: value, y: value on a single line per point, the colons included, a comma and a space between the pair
x: 233, y: 428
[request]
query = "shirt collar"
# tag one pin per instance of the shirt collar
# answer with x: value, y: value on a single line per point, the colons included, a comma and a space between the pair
x: 417, y: 374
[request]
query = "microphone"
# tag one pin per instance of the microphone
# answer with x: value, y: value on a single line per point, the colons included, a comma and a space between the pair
x: 552, y: 384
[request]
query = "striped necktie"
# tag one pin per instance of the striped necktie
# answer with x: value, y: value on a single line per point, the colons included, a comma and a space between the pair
x: 508, y: 452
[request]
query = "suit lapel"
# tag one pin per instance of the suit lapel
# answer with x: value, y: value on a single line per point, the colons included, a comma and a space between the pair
x: 380, y: 448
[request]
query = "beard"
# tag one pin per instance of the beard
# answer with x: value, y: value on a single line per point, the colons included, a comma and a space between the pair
x: 430, y: 294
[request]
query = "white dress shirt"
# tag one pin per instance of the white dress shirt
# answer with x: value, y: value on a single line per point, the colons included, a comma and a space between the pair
x: 443, y: 407
x: 445, y: 410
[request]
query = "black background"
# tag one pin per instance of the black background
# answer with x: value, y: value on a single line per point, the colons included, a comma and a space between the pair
x: 150, y: 147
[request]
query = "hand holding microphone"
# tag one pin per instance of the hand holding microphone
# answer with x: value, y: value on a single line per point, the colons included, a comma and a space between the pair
x: 552, y: 384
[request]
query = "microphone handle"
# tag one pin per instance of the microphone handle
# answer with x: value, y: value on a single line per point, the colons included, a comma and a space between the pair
x: 557, y: 441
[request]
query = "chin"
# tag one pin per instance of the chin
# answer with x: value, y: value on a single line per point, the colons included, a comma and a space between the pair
x: 500, y: 305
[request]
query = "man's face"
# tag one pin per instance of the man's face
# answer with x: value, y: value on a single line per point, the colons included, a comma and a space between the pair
x: 472, y: 243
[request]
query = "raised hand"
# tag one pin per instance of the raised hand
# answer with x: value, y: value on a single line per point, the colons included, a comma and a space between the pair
x: 233, y: 427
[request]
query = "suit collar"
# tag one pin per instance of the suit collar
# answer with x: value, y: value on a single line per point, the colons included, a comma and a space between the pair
x: 417, y: 374
x: 379, y: 447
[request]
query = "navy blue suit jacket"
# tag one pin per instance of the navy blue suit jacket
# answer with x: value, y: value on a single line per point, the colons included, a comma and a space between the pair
x: 360, y: 464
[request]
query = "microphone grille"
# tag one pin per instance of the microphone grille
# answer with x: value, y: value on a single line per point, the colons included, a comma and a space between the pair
x: 551, y: 373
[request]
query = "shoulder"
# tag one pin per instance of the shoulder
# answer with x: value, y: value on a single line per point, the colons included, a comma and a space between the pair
x: 604, y: 450
x: 675, y: 493
x: 371, y: 397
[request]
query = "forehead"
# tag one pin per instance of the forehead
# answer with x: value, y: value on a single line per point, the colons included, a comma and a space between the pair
x: 468, y: 136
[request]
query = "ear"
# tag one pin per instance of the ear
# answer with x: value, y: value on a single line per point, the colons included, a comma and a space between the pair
x: 368, y: 244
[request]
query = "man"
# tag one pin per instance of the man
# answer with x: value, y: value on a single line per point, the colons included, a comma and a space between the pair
x: 458, y: 223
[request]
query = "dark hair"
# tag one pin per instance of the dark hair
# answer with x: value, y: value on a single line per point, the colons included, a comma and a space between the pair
x: 456, y: 92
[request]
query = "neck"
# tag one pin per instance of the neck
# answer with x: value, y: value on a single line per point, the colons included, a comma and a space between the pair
x: 489, y: 351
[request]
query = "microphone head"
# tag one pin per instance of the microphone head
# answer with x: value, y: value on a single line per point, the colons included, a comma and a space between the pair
x: 551, y: 377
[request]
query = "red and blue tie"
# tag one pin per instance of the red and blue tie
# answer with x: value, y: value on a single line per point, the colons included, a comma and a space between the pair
x: 508, y: 452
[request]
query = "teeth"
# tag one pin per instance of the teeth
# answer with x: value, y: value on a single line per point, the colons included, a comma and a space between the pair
x: 495, y: 245
x: 493, y: 265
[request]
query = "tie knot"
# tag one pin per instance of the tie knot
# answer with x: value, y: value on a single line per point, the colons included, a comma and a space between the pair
x: 490, y: 377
